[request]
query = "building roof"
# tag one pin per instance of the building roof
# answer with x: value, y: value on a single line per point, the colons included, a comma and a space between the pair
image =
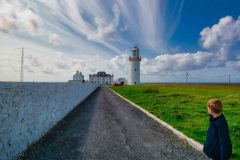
x: 101, y: 74
x: 121, y: 79
x: 78, y: 74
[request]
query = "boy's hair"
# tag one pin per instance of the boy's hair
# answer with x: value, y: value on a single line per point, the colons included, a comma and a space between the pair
x: 215, y: 105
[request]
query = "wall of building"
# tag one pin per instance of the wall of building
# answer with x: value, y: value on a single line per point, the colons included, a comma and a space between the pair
x: 29, y: 110
x: 101, y: 80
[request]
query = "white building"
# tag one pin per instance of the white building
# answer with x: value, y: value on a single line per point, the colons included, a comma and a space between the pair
x: 78, y: 77
x: 134, y: 69
x: 122, y: 81
x: 101, y: 78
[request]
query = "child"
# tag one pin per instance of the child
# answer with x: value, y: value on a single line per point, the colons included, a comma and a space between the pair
x: 218, y: 144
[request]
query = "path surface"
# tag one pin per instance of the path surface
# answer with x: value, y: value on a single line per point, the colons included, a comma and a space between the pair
x: 108, y: 128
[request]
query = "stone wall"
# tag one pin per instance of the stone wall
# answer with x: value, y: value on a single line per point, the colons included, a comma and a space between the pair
x: 29, y: 110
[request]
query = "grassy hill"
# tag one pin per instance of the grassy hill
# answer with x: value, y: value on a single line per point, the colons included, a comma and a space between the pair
x: 185, y: 106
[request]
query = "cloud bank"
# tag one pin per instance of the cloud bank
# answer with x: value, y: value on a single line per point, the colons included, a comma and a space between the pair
x: 225, y: 33
x: 107, y: 24
x: 221, y: 37
x: 15, y: 16
x: 176, y: 62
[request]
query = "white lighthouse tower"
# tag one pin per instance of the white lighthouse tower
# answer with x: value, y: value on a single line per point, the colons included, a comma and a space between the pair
x: 134, y: 72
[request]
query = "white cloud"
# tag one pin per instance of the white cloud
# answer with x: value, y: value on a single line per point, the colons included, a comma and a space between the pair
x: 100, y: 25
x: 176, y: 62
x: 236, y: 65
x: 225, y: 32
x: 102, y: 32
x: 149, y: 22
x: 56, y: 63
x: 220, y: 39
x: 119, y: 62
x: 63, y: 62
x: 28, y: 69
x: 34, y: 61
x: 55, y: 39
x: 105, y: 31
x: 47, y: 70
x: 8, y: 62
x: 116, y: 14
x: 50, y: 3
x: 58, y: 66
x: 15, y: 16
x: 102, y: 22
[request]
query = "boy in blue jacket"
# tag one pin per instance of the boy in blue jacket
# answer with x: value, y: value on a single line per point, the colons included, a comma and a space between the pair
x: 218, y: 144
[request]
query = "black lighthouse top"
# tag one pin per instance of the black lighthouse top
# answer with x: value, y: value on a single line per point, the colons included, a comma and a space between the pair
x: 135, y: 54
x: 135, y: 51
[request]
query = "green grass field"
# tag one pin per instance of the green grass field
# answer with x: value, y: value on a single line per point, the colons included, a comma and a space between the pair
x: 184, y: 106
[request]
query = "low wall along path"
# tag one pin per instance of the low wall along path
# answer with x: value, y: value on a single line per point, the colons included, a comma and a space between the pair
x: 29, y: 110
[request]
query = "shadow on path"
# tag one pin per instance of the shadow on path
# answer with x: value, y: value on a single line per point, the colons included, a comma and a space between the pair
x: 64, y: 139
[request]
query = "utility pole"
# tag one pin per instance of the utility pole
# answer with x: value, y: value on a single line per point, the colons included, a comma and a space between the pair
x: 187, y: 74
x: 22, y: 67
x: 229, y: 79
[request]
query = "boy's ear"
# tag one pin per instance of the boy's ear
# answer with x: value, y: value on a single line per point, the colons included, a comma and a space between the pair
x: 209, y: 110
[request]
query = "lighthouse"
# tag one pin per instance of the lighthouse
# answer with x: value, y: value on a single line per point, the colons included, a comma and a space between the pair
x: 134, y: 72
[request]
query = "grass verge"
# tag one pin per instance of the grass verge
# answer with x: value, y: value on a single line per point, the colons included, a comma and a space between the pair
x: 184, y: 106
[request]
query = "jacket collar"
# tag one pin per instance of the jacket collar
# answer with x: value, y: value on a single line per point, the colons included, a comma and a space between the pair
x: 212, y: 119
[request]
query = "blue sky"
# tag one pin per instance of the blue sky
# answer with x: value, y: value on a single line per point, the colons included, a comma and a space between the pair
x: 175, y: 37
x: 196, y: 15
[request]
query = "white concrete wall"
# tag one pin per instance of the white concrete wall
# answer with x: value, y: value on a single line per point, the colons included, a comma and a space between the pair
x: 29, y: 110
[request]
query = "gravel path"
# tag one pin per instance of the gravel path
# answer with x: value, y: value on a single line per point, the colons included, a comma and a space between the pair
x: 108, y: 128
